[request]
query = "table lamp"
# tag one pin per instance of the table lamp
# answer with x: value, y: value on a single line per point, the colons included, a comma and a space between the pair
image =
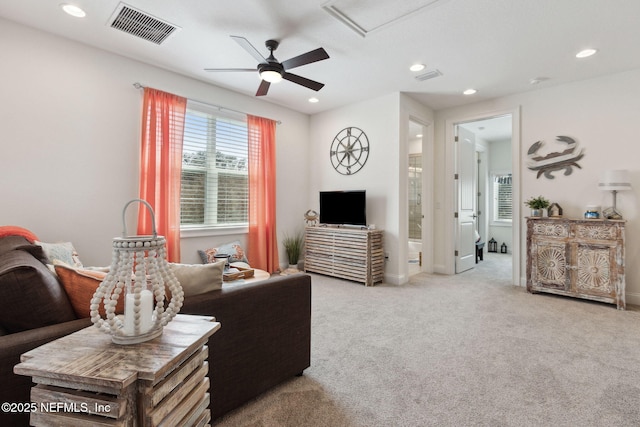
x: 614, y: 181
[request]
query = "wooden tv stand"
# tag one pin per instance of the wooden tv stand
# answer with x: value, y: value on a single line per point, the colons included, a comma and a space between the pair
x: 347, y: 253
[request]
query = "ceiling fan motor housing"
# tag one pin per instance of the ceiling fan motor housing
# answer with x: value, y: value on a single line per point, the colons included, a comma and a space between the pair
x: 272, y: 45
x: 273, y: 66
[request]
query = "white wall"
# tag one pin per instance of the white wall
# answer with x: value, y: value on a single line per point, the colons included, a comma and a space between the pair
x: 70, y: 141
x: 601, y: 115
x: 385, y: 120
x: 379, y: 176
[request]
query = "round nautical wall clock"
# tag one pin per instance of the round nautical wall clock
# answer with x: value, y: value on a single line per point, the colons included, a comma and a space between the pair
x: 349, y: 150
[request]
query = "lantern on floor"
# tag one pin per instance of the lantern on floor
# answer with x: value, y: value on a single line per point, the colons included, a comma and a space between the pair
x: 503, y: 248
x: 493, y: 245
x: 138, y: 275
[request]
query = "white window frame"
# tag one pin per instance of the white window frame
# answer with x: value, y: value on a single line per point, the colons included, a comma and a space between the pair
x: 210, y: 226
x: 493, y: 200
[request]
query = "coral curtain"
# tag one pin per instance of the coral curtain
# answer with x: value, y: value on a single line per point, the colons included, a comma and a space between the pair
x: 163, y: 118
x: 263, y: 244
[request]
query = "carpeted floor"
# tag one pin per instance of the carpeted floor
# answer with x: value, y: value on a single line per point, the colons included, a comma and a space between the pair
x: 463, y: 350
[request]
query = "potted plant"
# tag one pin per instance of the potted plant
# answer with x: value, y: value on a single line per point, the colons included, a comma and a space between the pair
x: 537, y: 204
x: 293, y: 245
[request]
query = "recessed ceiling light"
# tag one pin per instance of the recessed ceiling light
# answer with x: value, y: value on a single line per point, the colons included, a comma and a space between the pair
x: 469, y: 91
x: 417, y: 67
x: 314, y: 100
x: 586, y: 53
x: 419, y: 135
x: 73, y: 10
x: 537, y: 80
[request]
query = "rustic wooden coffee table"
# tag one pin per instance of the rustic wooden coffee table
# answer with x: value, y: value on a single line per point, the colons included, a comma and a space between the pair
x: 86, y: 379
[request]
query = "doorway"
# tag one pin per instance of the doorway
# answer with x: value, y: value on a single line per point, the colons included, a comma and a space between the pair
x: 495, y: 174
x: 415, y: 198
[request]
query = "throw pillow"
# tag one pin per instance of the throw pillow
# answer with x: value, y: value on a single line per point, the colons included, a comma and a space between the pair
x: 80, y: 285
x: 197, y: 278
x: 63, y: 251
x: 233, y: 249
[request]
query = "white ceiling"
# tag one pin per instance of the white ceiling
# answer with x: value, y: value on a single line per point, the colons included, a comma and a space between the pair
x: 494, y: 46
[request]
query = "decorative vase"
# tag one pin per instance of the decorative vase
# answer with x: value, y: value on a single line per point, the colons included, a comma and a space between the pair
x: 292, y: 269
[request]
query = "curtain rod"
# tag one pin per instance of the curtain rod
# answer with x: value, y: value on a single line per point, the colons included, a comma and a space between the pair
x: 138, y: 85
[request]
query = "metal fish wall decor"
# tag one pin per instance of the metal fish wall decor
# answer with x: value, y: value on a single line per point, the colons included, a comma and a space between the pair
x: 555, y: 161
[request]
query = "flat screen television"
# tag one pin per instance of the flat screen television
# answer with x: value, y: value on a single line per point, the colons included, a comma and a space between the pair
x: 343, y: 207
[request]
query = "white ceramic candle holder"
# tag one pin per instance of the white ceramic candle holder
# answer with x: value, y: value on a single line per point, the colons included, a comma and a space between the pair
x: 139, y: 275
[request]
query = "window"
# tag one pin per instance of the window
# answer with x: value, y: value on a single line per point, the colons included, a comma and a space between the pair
x: 215, y: 184
x: 502, y: 199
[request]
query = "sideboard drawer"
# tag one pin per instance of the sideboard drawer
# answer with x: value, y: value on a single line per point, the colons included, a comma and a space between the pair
x: 596, y: 231
x: 550, y: 229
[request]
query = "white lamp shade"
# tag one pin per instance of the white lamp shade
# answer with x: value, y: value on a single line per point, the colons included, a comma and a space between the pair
x: 617, y: 180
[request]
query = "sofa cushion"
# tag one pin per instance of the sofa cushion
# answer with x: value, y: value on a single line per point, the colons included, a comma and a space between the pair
x: 80, y: 285
x: 196, y: 278
x: 233, y: 249
x: 30, y: 295
x: 12, y: 243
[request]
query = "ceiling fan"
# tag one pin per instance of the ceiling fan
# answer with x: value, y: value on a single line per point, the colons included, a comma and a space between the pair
x: 272, y: 71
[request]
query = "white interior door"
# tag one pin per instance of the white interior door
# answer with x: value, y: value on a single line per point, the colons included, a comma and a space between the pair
x: 466, y: 200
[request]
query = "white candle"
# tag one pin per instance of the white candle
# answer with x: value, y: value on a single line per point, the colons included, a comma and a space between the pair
x: 146, y: 312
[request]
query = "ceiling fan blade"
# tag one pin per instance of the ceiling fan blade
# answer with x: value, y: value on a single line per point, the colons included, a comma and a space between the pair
x: 303, y: 81
x: 230, y: 69
x: 306, y: 58
x: 244, y: 43
x: 263, y: 88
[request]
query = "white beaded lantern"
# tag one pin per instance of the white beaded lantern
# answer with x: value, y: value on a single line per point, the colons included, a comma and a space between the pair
x: 139, y: 274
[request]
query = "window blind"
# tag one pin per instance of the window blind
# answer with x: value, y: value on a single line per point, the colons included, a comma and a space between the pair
x: 502, y: 191
x: 215, y: 186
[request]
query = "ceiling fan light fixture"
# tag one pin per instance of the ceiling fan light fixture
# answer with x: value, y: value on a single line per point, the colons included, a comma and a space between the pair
x: 314, y: 100
x: 271, y: 76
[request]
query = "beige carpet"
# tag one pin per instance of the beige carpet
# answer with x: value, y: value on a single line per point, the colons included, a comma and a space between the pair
x: 464, y: 350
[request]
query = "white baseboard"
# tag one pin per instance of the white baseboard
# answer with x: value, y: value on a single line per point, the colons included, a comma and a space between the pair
x: 439, y: 269
x: 632, y: 298
x: 395, y: 279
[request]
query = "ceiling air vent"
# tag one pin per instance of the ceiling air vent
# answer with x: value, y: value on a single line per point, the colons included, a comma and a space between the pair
x: 428, y: 75
x: 141, y: 24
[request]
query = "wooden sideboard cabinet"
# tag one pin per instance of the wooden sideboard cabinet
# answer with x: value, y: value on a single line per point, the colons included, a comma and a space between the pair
x: 346, y: 253
x: 582, y: 258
